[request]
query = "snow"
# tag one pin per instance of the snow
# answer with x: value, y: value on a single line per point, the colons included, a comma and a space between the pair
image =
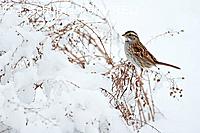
x: 69, y: 99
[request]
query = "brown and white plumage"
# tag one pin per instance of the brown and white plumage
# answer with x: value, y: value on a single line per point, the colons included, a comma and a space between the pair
x: 137, y: 53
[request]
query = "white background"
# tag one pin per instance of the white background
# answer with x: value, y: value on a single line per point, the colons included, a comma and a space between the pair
x: 151, y: 17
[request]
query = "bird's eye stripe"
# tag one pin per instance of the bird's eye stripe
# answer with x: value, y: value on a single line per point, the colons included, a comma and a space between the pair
x: 131, y: 34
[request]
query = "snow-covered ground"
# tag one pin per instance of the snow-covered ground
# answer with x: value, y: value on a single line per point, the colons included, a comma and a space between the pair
x: 70, y: 100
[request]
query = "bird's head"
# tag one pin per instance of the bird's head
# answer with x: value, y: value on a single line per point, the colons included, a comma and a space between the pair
x: 131, y: 36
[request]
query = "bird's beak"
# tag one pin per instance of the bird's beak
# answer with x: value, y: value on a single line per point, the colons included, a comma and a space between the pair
x: 123, y: 35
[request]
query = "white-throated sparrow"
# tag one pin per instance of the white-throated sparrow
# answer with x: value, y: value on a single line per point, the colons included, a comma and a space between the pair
x: 137, y: 53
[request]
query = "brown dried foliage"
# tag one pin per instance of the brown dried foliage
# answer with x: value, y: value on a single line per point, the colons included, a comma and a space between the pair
x: 129, y: 95
x: 77, y: 38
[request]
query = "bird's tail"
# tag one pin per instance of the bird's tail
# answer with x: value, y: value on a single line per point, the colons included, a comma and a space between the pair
x: 165, y: 64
